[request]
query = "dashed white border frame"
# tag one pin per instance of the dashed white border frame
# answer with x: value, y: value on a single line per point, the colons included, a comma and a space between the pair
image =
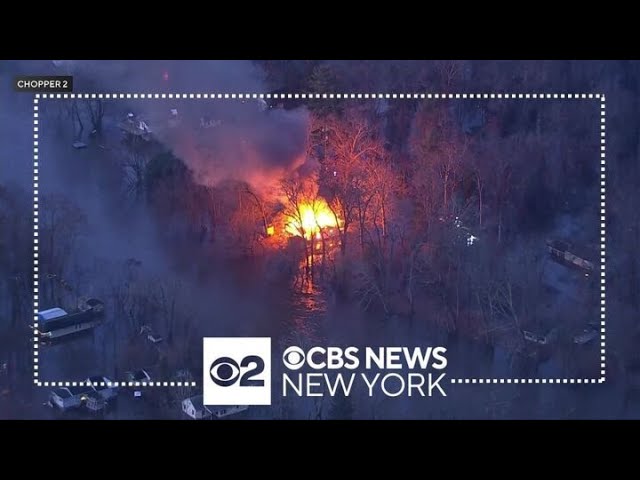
x: 221, y: 96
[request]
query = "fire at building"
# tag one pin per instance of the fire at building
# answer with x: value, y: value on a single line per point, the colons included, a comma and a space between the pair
x: 313, y: 221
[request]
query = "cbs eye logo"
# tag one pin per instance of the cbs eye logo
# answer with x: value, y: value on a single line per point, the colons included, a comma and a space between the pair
x: 226, y: 372
x: 236, y: 371
x: 293, y: 358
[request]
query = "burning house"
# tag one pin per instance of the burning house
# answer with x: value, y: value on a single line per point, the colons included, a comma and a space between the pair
x: 316, y: 223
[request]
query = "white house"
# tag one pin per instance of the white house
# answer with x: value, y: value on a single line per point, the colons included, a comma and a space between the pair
x: 94, y: 402
x: 68, y: 397
x: 195, y: 408
x: 225, y: 411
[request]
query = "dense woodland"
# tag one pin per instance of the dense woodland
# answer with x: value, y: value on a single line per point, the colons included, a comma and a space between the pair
x: 407, y: 181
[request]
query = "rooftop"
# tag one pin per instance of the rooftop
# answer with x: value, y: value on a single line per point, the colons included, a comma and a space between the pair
x: 95, y: 396
x: 96, y: 380
x: 79, y: 390
x: 197, y: 402
x: 139, y: 376
x: 62, y: 392
x: 584, y: 251
x: 51, y: 313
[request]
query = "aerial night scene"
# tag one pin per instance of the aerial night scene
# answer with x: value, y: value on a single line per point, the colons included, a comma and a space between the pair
x: 319, y: 240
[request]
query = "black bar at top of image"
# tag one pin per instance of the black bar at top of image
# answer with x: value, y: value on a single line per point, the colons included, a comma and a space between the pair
x: 43, y: 84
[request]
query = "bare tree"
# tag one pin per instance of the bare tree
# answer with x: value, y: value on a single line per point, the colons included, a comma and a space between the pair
x: 134, y: 167
x: 449, y: 71
x: 479, y: 189
x: 439, y: 149
x: 351, y: 141
x: 299, y: 192
x: 76, y: 121
x: 260, y: 205
x: 61, y: 224
x: 15, y: 251
x: 95, y: 107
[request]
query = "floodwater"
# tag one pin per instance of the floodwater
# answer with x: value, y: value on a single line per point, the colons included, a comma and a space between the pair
x: 240, y: 302
x: 309, y: 315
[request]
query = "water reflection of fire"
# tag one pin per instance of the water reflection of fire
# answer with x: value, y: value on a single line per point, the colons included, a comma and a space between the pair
x: 311, y: 220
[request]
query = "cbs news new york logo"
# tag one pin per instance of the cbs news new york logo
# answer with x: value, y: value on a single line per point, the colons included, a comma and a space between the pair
x: 237, y: 371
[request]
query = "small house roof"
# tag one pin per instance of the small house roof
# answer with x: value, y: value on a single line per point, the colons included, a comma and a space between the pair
x: 79, y: 390
x: 50, y: 314
x: 95, y: 396
x: 62, y: 392
x: 96, y: 380
x: 140, y: 375
x: 198, y: 403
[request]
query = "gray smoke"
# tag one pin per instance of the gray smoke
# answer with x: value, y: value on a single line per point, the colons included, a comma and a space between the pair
x: 244, y: 141
x: 248, y: 142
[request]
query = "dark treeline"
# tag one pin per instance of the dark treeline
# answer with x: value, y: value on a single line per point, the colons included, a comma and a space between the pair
x: 443, y: 208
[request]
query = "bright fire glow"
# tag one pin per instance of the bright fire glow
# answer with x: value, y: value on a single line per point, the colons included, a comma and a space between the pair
x: 313, y: 218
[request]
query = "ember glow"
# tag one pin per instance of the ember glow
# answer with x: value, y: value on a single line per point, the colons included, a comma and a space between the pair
x: 310, y: 219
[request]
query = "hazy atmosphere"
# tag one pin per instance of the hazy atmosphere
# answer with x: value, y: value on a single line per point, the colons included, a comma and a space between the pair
x: 468, y: 223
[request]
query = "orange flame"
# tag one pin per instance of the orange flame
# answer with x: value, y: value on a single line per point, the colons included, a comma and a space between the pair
x: 310, y: 219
